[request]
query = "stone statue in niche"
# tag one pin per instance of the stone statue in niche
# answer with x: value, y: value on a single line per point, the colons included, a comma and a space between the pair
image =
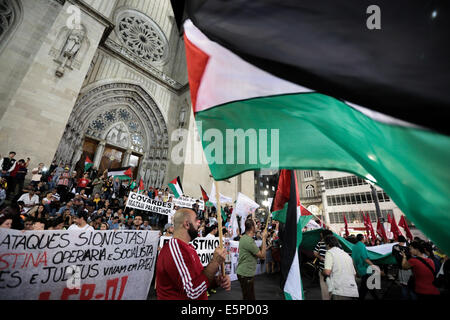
x: 69, y: 51
x: 118, y: 135
x: 161, y: 176
x: 153, y: 177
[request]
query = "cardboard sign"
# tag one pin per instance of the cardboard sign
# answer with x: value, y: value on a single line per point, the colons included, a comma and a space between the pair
x: 142, y: 202
x: 90, y: 265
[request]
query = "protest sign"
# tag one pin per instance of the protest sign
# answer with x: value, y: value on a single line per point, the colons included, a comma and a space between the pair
x: 90, y: 265
x: 205, y: 249
x: 142, y: 202
x: 233, y: 249
x: 244, y: 207
x: 187, y: 202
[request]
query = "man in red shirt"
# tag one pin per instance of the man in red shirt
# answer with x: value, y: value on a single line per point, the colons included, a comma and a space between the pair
x: 179, y: 272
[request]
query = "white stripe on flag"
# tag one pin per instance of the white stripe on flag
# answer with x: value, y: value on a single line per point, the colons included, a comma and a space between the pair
x: 240, y: 80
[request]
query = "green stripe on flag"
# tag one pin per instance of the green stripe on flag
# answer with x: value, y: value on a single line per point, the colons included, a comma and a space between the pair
x: 318, y: 132
x: 224, y: 215
x: 280, y: 215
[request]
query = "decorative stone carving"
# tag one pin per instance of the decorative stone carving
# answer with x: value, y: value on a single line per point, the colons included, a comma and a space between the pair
x: 119, y: 135
x: 7, y: 17
x: 118, y: 49
x: 69, y: 51
x: 142, y: 36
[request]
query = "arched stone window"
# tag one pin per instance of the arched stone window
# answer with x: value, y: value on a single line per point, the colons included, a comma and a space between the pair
x: 10, y: 17
x: 310, y: 191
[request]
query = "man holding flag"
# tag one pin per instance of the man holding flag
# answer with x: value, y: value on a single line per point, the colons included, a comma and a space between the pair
x: 248, y: 255
x: 362, y: 263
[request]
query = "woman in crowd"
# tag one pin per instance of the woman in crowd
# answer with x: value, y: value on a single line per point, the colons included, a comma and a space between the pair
x: 423, y: 271
x: 5, y: 221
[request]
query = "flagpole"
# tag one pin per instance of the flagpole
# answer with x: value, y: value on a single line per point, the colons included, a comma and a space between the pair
x: 267, y: 221
x: 219, y: 221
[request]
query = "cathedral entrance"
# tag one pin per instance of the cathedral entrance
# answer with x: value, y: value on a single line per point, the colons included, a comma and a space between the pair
x: 117, y: 125
x: 108, y: 157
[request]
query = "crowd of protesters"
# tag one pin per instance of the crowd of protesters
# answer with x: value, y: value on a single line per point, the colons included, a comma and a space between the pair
x: 420, y: 271
x: 60, y: 198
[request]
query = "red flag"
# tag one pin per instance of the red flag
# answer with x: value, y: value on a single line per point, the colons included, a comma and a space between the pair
x: 369, y: 227
x: 394, y: 228
x: 402, y: 223
x: 346, y: 227
x: 204, y: 195
x: 381, y: 231
x: 141, y: 184
x: 389, y: 218
x: 129, y: 173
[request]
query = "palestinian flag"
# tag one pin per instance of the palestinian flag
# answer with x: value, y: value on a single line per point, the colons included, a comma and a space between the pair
x: 88, y: 164
x: 204, y: 194
x: 175, y: 186
x: 311, y: 87
x: 121, y: 173
x: 141, y: 185
x: 292, y: 224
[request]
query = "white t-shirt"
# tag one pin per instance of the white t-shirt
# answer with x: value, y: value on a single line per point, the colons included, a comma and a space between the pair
x: 342, y: 278
x: 77, y: 228
x: 36, y: 176
x: 26, y: 200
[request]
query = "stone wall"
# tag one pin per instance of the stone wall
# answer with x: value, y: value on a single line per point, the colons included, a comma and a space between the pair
x: 35, y: 116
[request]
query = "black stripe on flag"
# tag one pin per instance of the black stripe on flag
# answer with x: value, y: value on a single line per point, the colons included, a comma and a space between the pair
x: 401, y: 70
x: 288, y: 234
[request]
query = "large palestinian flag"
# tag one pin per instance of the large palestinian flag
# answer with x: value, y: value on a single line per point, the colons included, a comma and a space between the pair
x: 335, y: 95
x: 286, y: 209
x: 121, y: 173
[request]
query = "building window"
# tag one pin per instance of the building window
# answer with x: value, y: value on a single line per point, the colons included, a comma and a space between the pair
x: 307, y: 174
x: 310, y: 192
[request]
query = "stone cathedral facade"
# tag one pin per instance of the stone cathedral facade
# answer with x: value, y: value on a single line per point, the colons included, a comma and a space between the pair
x: 104, y: 79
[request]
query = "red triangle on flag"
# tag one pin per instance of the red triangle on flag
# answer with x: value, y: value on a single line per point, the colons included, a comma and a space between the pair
x: 304, y: 211
x: 196, y: 61
x: 141, y: 184
x: 129, y: 172
x: 88, y: 160
x: 204, y: 194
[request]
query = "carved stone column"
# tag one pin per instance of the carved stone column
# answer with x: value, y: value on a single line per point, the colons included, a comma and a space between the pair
x: 76, y: 157
x: 99, y: 153
x: 126, y: 159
